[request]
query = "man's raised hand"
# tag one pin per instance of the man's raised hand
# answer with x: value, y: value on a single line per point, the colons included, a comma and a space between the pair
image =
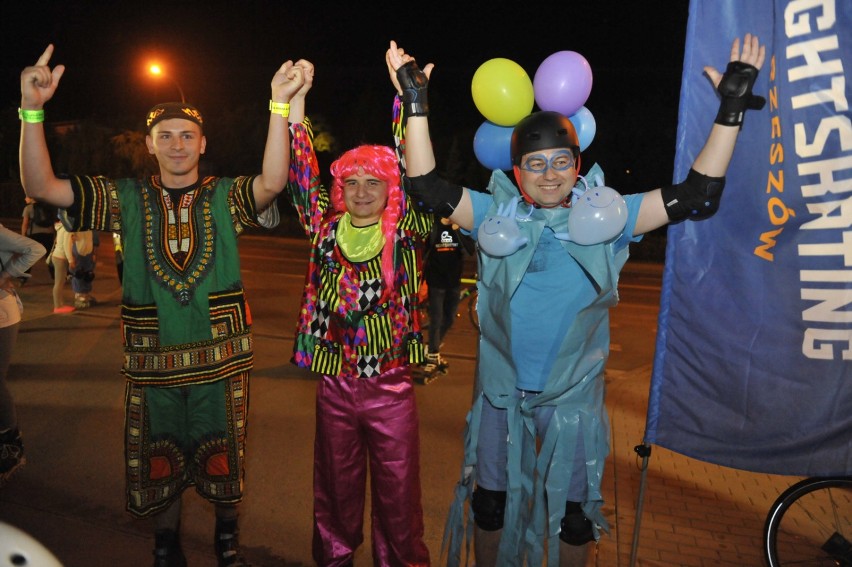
x: 39, y: 82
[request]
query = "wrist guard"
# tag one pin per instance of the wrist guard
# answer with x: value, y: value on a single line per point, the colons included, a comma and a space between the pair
x: 696, y: 198
x: 414, y: 89
x: 431, y: 194
x: 735, y: 88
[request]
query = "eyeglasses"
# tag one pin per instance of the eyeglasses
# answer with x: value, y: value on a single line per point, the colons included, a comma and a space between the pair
x: 538, y: 163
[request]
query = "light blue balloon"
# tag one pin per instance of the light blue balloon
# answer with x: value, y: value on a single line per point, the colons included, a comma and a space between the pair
x: 499, y: 235
x: 598, y: 215
x: 585, y: 125
x: 492, y: 145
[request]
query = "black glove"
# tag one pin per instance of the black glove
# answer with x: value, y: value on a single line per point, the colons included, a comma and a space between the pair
x: 735, y: 88
x: 414, y: 89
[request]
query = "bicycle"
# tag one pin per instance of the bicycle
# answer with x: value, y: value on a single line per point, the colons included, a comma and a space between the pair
x: 471, y: 293
x: 810, y: 523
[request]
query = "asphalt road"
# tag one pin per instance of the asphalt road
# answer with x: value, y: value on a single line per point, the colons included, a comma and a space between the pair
x: 65, y: 377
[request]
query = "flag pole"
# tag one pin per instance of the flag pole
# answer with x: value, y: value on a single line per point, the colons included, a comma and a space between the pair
x: 644, y: 451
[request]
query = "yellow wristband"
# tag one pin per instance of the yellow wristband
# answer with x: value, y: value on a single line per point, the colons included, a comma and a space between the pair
x: 31, y: 116
x: 282, y: 108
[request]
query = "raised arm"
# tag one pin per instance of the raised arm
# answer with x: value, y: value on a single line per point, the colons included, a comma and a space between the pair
x: 297, y: 103
x: 419, y: 157
x: 306, y: 191
x: 38, y: 83
x: 276, y: 156
x: 425, y: 187
x: 706, y: 178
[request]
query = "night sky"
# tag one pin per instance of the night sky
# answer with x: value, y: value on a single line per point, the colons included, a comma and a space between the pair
x: 224, y: 54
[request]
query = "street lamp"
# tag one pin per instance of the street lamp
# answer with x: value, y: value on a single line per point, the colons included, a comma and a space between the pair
x: 156, y: 70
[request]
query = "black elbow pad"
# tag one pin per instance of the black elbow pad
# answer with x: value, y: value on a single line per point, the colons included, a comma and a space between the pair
x: 695, y: 198
x: 431, y: 194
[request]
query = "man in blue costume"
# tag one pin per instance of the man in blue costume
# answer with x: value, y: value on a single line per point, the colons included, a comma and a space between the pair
x: 542, y: 378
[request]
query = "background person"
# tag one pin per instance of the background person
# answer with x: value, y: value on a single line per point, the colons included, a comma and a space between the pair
x: 18, y: 253
x: 60, y: 258
x: 443, y: 267
x: 37, y: 222
x: 81, y: 265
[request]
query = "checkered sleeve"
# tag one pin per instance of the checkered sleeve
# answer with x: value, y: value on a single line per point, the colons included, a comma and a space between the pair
x: 309, y: 197
x: 398, y: 127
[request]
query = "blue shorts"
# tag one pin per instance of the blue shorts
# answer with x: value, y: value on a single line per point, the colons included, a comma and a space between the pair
x: 491, y: 451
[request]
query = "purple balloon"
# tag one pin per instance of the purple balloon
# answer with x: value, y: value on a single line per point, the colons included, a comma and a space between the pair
x: 563, y: 82
x: 492, y: 145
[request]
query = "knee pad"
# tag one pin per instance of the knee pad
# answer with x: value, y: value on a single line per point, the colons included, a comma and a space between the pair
x: 576, y: 527
x: 488, y: 508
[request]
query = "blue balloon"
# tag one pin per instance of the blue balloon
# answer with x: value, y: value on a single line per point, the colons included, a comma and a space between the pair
x: 499, y: 235
x: 492, y: 145
x: 584, y: 124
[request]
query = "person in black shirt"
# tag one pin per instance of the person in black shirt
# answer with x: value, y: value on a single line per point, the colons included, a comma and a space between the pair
x: 443, y: 270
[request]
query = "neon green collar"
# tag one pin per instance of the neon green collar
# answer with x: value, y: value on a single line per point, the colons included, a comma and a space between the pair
x: 359, y: 244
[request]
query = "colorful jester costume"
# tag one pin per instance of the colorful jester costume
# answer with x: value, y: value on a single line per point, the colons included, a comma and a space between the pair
x: 185, y: 328
x: 342, y: 329
x: 360, y: 332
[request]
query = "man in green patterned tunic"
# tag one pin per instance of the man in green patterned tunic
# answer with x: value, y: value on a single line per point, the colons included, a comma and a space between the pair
x: 185, y: 322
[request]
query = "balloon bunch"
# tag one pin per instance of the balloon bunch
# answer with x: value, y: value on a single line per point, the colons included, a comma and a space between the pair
x: 504, y: 94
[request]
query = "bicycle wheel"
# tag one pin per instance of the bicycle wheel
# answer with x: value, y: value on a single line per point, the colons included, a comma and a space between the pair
x: 471, y: 309
x: 811, y: 524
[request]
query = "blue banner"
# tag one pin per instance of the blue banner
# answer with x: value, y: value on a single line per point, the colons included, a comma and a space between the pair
x: 753, y: 368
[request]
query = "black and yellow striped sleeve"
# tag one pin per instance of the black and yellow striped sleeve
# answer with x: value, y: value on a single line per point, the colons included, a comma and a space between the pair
x: 241, y: 200
x: 95, y: 205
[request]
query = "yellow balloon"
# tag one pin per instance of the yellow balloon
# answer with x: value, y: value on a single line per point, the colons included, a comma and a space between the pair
x: 502, y: 91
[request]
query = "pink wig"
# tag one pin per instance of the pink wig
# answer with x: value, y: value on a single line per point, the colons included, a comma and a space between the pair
x: 380, y: 162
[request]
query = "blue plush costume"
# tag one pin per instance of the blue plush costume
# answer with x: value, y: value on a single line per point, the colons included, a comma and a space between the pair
x: 513, y: 352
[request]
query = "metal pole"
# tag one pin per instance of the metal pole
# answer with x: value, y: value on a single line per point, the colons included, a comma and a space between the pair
x: 643, y: 451
x: 180, y: 90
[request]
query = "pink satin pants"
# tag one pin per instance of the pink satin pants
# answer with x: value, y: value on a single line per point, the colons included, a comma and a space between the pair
x: 360, y: 419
